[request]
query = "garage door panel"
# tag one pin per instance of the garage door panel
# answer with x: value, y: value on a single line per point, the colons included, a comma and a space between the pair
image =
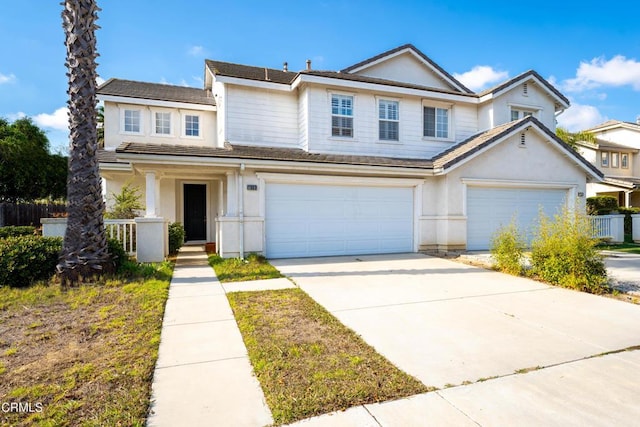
x: 318, y: 220
x: 490, y: 208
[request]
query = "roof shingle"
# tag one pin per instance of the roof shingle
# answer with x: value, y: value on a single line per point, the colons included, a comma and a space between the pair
x: 156, y: 91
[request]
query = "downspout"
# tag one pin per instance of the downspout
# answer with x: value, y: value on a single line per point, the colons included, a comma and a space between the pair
x: 241, y: 209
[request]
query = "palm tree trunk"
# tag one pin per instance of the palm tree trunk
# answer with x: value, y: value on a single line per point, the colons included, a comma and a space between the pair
x: 84, y: 252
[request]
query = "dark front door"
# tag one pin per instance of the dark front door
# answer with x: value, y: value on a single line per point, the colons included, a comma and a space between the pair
x: 195, y: 211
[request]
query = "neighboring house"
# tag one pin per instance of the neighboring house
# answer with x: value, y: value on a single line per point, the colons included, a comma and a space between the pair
x: 615, y: 154
x: 392, y: 154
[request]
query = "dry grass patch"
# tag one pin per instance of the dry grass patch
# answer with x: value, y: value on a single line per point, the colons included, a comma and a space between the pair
x: 309, y: 363
x: 85, y: 356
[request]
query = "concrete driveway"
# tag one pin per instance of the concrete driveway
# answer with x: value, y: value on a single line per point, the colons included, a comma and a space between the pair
x: 503, y: 350
x: 624, y: 270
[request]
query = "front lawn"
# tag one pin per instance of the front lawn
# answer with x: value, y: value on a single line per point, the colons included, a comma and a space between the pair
x: 254, y: 267
x: 307, y: 362
x: 629, y: 248
x: 84, y: 356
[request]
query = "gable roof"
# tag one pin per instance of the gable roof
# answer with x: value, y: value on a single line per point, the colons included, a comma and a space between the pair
x: 610, y: 124
x: 522, y: 77
x: 465, y: 149
x: 416, y: 52
x: 229, y: 69
x: 155, y: 91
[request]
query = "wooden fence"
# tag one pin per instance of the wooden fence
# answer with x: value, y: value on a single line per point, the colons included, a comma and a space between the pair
x: 28, y: 213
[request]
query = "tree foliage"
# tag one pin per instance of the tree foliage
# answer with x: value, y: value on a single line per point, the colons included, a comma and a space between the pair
x: 572, y: 138
x: 27, y: 170
x: 127, y: 202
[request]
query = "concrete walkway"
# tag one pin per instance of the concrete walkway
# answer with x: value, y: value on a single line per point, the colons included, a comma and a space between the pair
x: 203, y: 376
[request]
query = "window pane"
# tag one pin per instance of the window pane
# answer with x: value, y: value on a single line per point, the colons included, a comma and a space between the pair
x: 624, y: 160
x: 131, y: 121
x: 192, y: 125
x: 442, y: 123
x: 605, y: 159
x: 341, y: 115
x: 429, y: 121
x: 515, y: 114
x: 389, y: 131
x: 163, y: 123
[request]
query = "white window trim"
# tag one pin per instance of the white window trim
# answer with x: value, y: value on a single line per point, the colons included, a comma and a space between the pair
x: 122, y: 115
x: 183, y: 120
x: 628, y: 160
x: 536, y: 110
x: 388, y: 99
x: 602, y: 162
x: 616, y: 156
x: 353, y: 116
x: 441, y: 105
x: 153, y: 123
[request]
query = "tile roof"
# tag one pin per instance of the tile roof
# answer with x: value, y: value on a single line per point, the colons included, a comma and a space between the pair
x: 615, y: 123
x: 267, y: 153
x: 523, y: 76
x: 156, y: 91
x: 376, y: 80
x: 477, y: 142
x: 417, y: 52
x: 250, y: 72
x: 602, y: 143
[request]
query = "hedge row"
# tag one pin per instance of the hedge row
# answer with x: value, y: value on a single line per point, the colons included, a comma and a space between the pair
x: 14, y: 231
x: 28, y: 258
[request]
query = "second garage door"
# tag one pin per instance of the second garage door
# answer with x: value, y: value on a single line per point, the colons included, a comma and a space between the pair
x: 321, y: 220
x: 490, y: 208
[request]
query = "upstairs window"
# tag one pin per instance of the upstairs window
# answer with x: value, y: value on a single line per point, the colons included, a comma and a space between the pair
x: 624, y: 160
x: 191, y: 125
x: 163, y: 123
x: 389, y: 119
x: 615, y: 160
x: 605, y: 159
x: 519, y: 114
x: 132, y: 121
x: 342, y: 115
x: 436, y: 122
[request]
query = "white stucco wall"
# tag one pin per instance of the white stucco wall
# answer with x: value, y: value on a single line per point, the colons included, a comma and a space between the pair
x: 536, y: 99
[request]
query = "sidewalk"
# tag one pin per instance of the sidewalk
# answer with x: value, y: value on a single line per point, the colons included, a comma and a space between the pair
x: 203, y: 376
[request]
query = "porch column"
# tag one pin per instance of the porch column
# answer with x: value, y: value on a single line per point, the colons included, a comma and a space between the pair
x: 627, y: 201
x: 232, y: 194
x: 150, y: 194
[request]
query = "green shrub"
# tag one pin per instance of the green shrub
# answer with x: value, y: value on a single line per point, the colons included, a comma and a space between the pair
x: 564, y: 253
x: 126, y: 203
x: 14, y: 231
x: 117, y: 252
x: 601, y: 205
x: 176, y: 237
x: 507, y: 248
x: 26, y: 259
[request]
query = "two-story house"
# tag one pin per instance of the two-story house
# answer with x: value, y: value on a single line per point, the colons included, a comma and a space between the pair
x: 392, y: 154
x: 615, y: 154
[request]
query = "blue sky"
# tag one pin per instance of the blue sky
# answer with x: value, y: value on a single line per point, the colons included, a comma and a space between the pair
x: 590, y: 52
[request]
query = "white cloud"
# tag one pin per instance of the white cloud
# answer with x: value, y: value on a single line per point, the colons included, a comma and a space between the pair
x: 580, y: 117
x: 7, y: 78
x: 59, y: 120
x: 99, y: 80
x: 196, y: 51
x: 480, y: 77
x: 16, y: 116
x: 618, y: 71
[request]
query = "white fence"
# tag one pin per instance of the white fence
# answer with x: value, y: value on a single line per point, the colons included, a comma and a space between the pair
x: 123, y: 230
x: 608, y: 227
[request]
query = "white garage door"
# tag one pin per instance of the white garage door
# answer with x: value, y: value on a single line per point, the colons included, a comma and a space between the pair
x: 320, y: 220
x: 490, y: 208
